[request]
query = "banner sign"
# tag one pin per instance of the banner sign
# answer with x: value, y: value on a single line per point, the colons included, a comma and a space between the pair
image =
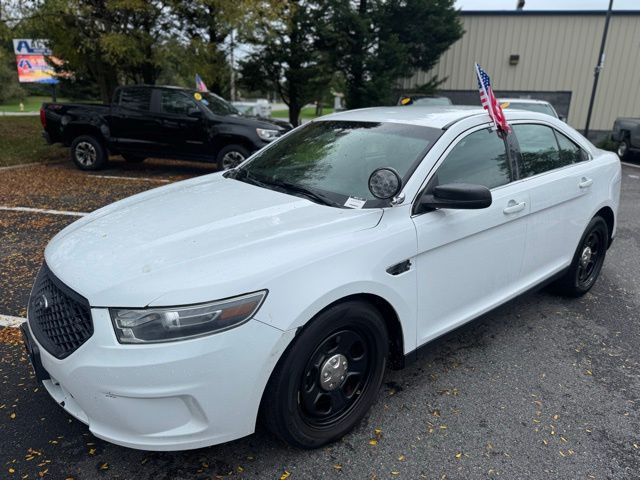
x: 31, y: 62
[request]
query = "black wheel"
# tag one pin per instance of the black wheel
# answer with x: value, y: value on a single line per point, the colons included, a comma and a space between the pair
x: 623, y: 149
x: 88, y: 153
x: 231, y: 156
x: 329, y: 377
x: 587, y: 261
x: 131, y: 158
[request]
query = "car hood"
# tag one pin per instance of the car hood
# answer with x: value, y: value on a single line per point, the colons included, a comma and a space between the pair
x: 194, y: 241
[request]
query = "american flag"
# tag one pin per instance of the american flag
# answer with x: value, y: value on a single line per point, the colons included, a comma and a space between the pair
x: 489, y: 101
x: 200, y: 86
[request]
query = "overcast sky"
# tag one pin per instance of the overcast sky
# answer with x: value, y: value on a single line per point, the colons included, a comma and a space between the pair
x: 548, y: 4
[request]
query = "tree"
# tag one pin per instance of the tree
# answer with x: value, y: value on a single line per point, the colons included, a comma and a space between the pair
x: 376, y: 42
x: 287, y: 57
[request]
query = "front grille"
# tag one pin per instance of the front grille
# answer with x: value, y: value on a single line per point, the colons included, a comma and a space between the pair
x: 59, y: 318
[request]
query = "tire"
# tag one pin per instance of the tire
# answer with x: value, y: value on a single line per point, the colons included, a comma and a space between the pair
x: 130, y: 158
x: 301, y: 409
x: 231, y: 156
x: 623, y: 149
x: 88, y: 153
x: 587, y: 261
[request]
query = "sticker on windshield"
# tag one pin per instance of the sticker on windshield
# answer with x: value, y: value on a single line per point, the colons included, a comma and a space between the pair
x: 197, y: 96
x: 354, y: 203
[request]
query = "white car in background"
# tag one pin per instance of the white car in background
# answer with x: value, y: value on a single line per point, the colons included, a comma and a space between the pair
x: 539, y: 106
x: 285, y: 287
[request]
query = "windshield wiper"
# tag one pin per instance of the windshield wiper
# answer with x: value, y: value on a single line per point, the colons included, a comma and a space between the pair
x: 307, y: 192
x: 243, y: 175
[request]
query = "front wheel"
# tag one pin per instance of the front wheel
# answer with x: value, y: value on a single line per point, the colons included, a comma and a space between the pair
x: 231, y: 156
x: 623, y: 149
x: 88, y: 153
x: 329, y: 377
x: 587, y: 260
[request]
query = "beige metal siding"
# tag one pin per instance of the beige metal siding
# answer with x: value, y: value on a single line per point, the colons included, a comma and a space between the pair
x: 557, y: 53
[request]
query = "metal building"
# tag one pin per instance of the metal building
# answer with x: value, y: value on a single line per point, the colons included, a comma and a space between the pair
x: 550, y: 55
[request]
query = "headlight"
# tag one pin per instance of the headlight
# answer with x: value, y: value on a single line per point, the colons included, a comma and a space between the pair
x: 267, y: 135
x: 153, y: 325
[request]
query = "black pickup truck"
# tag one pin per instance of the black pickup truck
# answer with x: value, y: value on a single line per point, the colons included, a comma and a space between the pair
x: 626, y: 133
x: 157, y: 121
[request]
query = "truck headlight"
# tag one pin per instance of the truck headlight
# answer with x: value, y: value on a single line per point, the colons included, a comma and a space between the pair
x: 267, y: 135
x: 166, y: 324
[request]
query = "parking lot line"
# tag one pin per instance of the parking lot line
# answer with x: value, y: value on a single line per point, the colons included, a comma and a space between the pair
x: 144, y: 179
x: 41, y: 210
x: 9, y: 321
x: 630, y: 165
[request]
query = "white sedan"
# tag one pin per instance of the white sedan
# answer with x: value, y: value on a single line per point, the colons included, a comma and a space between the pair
x: 282, y: 289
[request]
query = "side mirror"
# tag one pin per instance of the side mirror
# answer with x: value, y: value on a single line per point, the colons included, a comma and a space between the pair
x: 457, y: 195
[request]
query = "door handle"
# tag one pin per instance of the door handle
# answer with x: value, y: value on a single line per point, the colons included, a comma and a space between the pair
x: 514, y: 207
x: 585, y: 182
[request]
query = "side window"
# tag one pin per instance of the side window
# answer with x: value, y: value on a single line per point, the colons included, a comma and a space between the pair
x: 569, y: 151
x: 135, y: 98
x: 480, y: 158
x: 175, y: 102
x: 539, y: 149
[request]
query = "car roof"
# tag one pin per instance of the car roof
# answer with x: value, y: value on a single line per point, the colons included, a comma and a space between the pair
x: 523, y: 100
x: 440, y: 116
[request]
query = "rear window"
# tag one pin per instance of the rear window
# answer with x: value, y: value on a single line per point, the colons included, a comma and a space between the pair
x: 136, y: 98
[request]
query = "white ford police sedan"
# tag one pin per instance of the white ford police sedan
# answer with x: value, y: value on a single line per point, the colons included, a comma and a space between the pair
x: 283, y: 288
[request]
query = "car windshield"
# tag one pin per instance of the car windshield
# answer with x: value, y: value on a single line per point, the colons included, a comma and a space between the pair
x: 215, y: 104
x: 334, y: 159
x: 534, y: 107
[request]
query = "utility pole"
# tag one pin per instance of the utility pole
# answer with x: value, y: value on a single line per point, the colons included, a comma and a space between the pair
x: 232, y: 80
x: 599, y: 67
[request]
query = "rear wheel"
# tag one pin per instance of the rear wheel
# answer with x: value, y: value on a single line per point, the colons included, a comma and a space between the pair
x: 587, y: 260
x: 231, y: 156
x: 329, y: 377
x: 88, y: 153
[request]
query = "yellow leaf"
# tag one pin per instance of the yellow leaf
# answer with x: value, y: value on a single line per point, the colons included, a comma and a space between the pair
x: 373, y: 441
x: 589, y: 372
x: 240, y: 469
x: 337, y: 466
x: 561, y: 453
x: 378, y: 431
x: 12, y: 470
x: 394, y: 473
x: 285, y: 475
x: 104, y: 466
x: 459, y: 455
x: 92, y: 451
x: 13, y: 415
x: 401, y: 458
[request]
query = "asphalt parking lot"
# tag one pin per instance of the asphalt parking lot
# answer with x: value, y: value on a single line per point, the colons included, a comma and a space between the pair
x: 543, y: 387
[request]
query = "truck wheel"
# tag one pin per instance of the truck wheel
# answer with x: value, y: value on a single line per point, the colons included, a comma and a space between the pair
x: 133, y: 158
x: 88, y: 153
x: 623, y: 149
x: 231, y: 156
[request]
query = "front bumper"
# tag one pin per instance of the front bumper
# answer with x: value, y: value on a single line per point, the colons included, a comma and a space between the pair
x: 168, y: 396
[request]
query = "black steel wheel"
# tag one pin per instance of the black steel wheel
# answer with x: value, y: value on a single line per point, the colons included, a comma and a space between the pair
x: 623, y: 149
x: 329, y: 377
x: 587, y: 260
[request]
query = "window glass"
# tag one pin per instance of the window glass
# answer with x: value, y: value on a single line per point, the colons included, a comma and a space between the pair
x: 539, y: 149
x: 480, y: 159
x: 135, y: 98
x: 175, y: 102
x: 569, y: 151
x: 534, y: 107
